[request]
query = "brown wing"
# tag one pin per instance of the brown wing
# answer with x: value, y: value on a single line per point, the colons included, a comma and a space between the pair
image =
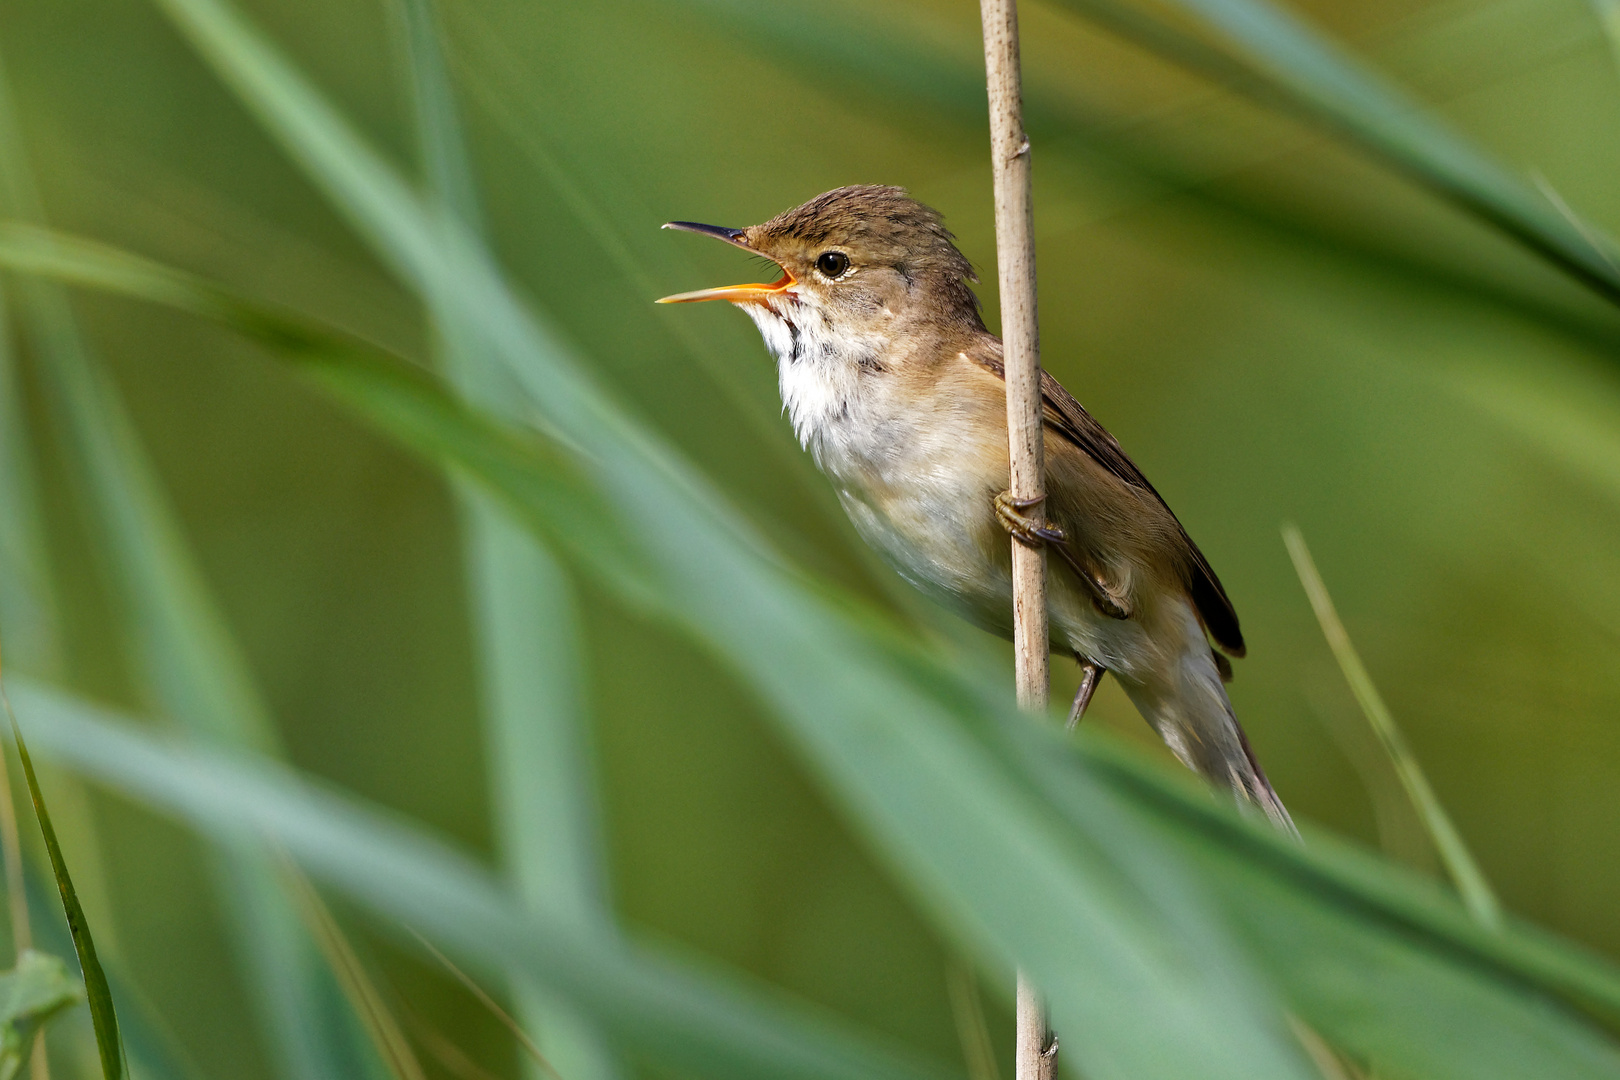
x: 1069, y: 419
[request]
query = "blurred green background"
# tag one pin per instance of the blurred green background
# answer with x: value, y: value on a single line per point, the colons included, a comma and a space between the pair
x: 1276, y: 329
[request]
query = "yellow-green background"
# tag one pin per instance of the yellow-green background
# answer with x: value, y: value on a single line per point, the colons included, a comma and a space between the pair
x: 1275, y: 329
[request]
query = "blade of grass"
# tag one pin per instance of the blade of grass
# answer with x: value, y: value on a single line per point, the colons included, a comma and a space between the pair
x: 698, y: 1019
x: 109, y: 1045
x: 1459, y: 862
x: 1339, y: 892
x: 387, y: 1038
x: 493, y: 1007
x: 1287, y: 61
x: 150, y: 1049
x: 1516, y: 1033
x: 27, y: 604
x: 22, y: 934
x: 967, y: 1011
x: 187, y: 661
x: 523, y: 609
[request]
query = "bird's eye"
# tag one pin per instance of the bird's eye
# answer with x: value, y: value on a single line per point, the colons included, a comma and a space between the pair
x: 832, y: 263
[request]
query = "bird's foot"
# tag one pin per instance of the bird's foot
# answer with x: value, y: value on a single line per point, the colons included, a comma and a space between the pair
x: 1026, y: 529
x: 1036, y: 532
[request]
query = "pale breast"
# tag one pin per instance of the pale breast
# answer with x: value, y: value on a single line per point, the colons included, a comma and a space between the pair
x: 916, y: 465
x: 915, y: 469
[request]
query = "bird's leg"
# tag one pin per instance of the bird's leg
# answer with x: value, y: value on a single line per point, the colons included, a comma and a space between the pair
x: 1037, y: 531
x: 1091, y: 674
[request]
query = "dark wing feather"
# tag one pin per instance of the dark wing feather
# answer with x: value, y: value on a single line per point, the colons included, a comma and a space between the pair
x: 1069, y: 419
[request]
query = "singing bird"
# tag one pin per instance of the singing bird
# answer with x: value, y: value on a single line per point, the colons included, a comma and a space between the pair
x: 895, y: 387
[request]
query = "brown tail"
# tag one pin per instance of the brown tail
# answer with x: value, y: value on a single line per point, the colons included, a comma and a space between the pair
x: 1262, y: 794
x: 1187, y: 705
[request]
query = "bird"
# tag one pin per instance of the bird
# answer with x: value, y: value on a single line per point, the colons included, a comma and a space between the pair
x: 896, y: 388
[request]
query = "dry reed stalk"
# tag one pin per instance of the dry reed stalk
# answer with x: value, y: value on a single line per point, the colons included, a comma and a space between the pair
x: 1035, y: 1057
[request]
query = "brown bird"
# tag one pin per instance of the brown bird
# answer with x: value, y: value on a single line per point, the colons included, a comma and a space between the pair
x: 895, y: 387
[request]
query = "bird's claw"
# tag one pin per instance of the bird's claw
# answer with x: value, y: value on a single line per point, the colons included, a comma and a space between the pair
x: 1024, y: 528
x: 1036, y: 532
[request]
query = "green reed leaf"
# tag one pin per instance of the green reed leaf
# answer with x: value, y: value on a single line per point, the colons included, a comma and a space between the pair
x: 702, y: 1020
x: 1281, y: 60
x: 526, y: 623
x: 103, y: 1015
x: 186, y: 659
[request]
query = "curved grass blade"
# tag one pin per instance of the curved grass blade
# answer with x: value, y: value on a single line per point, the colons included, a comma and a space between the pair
x: 525, y: 622
x: 186, y: 659
x: 700, y: 1020
x: 1284, y: 61
x: 1459, y: 861
x: 109, y: 1045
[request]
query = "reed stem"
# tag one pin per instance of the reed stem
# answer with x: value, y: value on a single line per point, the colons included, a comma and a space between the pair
x: 1034, y: 1058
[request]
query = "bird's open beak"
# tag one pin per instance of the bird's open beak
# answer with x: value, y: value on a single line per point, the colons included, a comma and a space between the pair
x: 737, y: 294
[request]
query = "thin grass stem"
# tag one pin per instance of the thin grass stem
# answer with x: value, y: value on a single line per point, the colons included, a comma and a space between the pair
x: 1459, y: 863
x: 967, y: 1010
x: 507, y: 1021
x: 387, y: 1038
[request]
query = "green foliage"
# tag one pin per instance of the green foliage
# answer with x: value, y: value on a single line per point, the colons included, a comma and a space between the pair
x: 186, y: 660
x: 1277, y: 332
x: 1281, y: 60
x: 1336, y: 961
x: 109, y: 1045
x: 674, y: 1012
x: 527, y: 626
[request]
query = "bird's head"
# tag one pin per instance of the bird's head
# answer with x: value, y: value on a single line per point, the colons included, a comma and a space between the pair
x: 858, y: 256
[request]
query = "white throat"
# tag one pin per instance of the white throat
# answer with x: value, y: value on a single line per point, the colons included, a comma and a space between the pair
x: 826, y: 377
